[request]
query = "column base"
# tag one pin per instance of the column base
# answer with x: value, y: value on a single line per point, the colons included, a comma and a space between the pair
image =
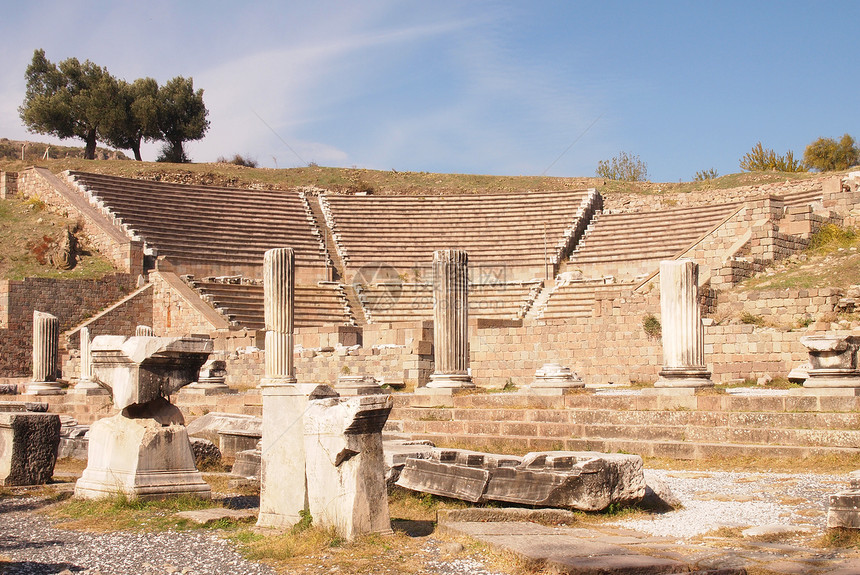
x: 88, y: 388
x: 44, y: 388
x: 684, y: 377
x: 450, y: 380
x: 832, y: 378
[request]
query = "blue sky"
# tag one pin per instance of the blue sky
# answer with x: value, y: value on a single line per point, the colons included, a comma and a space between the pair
x: 479, y: 87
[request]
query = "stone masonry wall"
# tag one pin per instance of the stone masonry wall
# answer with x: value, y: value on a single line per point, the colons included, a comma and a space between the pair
x: 172, y: 315
x: 70, y: 300
x: 8, y: 185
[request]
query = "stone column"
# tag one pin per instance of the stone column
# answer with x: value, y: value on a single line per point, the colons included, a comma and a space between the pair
x: 86, y: 384
x: 682, y: 331
x: 283, y: 487
x: 46, y: 351
x: 144, y: 331
x: 451, y: 319
x: 279, y: 296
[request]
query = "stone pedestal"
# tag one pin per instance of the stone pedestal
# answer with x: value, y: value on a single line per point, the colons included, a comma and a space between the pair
x: 345, y: 464
x: 28, y: 447
x: 145, y: 456
x: 279, y: 294
x: 682, y: 331
x: 832, y: 361
x: 450, y: 320
x: 843, y: 508
x: 283, y: 488
x: 86, y: 384
x: 144, y: 450
x: 352, y: 385
x: 46, y: 349
x: 554, y: 379
x: 210, y: 380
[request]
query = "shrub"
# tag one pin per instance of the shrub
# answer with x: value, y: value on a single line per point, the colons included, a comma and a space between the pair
x: 826, y: 154
x: 760, y: 159
x: 832, y: 235
x: 752, y: 319
x: 625, y: 167
x: 238, y: 160
x: 651, y: 326
x: 709, y: 174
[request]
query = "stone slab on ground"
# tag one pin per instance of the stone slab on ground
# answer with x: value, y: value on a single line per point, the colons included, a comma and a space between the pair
x: 557, y: 550
x: 213, y: 514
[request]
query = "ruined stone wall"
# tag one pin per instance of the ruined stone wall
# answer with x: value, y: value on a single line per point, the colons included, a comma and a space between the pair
x: 782, y: 307
x: 125, y: 254
x: 8, y: 185
x: 172, y: 314
x: 120, y: 319
x: 70, y: 300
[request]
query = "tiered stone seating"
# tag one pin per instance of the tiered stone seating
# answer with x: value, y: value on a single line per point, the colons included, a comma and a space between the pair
x: 209, y: 230
x: 633, y: 243
x: 414, y: 301
x: 324, y: 303
x: 515, y: 231
x: 802, y: 197
x: 576, y: 299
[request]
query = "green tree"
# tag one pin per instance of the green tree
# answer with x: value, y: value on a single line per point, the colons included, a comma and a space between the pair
x: 761, y: 159
x: 69, y: 100
x: 826, y: 154
x: 138, y: 117
x: 624, y: 166
x: 181, y: 117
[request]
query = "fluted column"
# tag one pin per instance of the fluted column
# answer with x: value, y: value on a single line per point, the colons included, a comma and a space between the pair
x: 144, y: 331
x: 46, y: 351
x: 451, y: 319
x: 682, y: 332
x: 86, y: 384
x: 279, y: 280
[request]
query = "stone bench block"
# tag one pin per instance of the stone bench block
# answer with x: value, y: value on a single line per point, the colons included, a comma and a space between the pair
x: 28, y: 447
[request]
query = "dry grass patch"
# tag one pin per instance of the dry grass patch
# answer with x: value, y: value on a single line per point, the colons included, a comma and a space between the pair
x: 829, y: 464
x: 839, y: 538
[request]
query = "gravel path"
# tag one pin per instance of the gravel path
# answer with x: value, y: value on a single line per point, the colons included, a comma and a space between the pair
x: 716, y: 499
x: 36, y: 547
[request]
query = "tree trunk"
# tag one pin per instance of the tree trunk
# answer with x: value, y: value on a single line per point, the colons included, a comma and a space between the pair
x: 135, y: 147
x: 90, y: 150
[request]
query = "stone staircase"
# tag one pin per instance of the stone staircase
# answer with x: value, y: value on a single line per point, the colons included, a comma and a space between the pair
x: 520, y: 233
x: 219, y: 231
x: 242, y: 303
x: 678, y: 427
x: 633, y: 243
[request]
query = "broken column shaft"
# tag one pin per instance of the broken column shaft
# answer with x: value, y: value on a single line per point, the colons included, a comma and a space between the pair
x: 451, y: 319
x: 46, y: 351
x: 279, y: 289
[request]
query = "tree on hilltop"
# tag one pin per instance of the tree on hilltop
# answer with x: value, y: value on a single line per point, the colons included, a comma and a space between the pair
x: 826, y: 154
x: 181, y: 117
x: 69, y: 100
x: 138, y: 117
x: 624, y: 166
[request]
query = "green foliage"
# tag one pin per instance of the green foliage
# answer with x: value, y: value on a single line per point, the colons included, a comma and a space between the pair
x: 137, y: 119
x: 709, y: 174
x: 826, y: 154
x: 70, y: 100
x: 760, y: 159
x: 831, y: 235
x: 752, y: 319
x: 304, y: 523
x: 181, y: 118
x: 651, y: 326
x: 625, y: 167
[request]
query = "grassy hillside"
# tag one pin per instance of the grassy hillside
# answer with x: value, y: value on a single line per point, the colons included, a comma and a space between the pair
x: 27, y: 233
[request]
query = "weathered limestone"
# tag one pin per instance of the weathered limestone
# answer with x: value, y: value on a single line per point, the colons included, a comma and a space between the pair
x: 553, y: 378
x: 28, y: 447
x: 144, y: 331
x: 144, y: 450
x: 843, y: 508
x: 46, y: 353
x: 283, y: 487
x: 832, y: 360
x: 345, y: 466
x: 211, y: 379
x: 87, y: 385
x: 351, y: 385
x: 587, y: 481
x: 450, y: 320
x: 279, y: 279
x: 683, y: 335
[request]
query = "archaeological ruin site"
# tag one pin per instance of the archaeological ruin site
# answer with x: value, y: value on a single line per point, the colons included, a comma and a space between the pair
x: 526, y: 353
